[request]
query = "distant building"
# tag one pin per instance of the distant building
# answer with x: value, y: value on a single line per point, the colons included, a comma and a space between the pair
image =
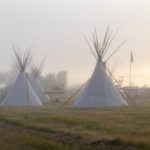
x: 137, y: 92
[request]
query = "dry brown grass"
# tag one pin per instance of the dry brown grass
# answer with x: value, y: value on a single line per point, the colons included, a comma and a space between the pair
x: 49, y: 127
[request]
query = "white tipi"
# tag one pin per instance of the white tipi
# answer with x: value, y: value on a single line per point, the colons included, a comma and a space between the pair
x: 37, y: 84
x: 21, y: 93
x: 99, y: 90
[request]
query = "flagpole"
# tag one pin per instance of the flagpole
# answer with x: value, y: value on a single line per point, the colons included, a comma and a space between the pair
x: 130, y: 73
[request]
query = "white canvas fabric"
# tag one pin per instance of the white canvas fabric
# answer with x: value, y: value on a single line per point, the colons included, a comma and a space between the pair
x: 21, y: 94
x: 39, y: 90
x: 99, y: 91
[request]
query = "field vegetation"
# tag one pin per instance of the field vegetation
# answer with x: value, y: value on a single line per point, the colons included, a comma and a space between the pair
x: 55, y: 128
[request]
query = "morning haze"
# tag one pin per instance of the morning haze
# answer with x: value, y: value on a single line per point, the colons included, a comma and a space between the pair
x: 58, y: 88
x: 55, y: 28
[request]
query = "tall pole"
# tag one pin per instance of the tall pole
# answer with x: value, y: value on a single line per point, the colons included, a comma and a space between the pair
x: 130, y: 73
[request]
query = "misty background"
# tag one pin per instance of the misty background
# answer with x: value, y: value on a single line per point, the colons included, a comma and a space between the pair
x: 55, y: 29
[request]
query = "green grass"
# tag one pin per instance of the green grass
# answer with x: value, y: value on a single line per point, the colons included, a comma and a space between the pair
x: 51, y: 128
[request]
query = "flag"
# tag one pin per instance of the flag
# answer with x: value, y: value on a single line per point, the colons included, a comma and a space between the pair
x: 132, y: 59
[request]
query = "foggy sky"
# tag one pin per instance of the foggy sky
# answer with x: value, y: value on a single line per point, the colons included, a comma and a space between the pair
x: 55, y: 29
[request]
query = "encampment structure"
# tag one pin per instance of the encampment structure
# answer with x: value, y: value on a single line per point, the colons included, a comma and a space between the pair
x: 35, y: 79
x: 22, y: 93
x: 99, y: 91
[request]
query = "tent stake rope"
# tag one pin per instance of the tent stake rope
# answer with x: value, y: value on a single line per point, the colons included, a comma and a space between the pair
x: 73, y: 95
x: 122, y: 89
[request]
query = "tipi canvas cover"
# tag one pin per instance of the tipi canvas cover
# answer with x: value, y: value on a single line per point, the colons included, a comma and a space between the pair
x: 39, y: 90
x: 21, y: 93
x: 99, y: 91
x: 36, y: 83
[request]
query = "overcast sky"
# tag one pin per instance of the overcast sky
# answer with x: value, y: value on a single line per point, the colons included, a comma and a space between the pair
x: 55, y: 29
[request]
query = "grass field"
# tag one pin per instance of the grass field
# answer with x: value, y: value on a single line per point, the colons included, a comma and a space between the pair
x: 52, y: 128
